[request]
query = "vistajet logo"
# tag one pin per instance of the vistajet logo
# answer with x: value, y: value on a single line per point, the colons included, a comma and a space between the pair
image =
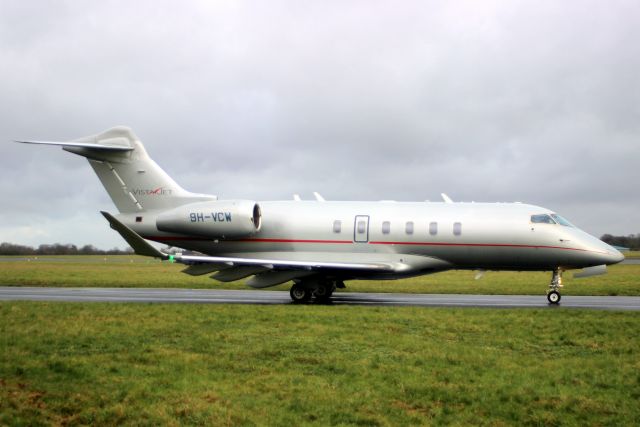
x: 156, y: 192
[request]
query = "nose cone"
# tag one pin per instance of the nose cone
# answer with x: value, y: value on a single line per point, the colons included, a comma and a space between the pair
x: 615, y: 255
x: 596, y: 252
x: 608, y: 254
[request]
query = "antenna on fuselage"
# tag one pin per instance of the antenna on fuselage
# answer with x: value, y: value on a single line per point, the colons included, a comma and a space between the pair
x: 296, y: 197
x: 318, y: 197
x: 446, y: 198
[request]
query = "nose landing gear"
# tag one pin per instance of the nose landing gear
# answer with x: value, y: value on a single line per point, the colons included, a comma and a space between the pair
x: 553, y: 295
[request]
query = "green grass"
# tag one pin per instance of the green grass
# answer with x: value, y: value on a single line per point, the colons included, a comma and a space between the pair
x: 156, y: 364
x: 632, y: 254
x: 133, y: 271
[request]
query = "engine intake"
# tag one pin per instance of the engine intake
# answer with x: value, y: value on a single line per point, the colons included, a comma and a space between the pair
x: 218, y: 219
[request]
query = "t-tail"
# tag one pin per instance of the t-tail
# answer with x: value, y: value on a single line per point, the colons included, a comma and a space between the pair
x: 133, y: 180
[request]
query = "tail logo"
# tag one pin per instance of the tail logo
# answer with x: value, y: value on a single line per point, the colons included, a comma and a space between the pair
x: 160, y: 191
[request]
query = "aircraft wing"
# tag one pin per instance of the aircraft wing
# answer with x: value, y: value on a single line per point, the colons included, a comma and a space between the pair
x: 272, y: 263
x: 139, y: 245
x: 266, y: 272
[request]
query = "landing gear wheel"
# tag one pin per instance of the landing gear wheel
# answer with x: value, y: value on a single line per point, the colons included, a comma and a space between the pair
x: 553, y: 297
x: 300, y: 294
x: 323, y: 292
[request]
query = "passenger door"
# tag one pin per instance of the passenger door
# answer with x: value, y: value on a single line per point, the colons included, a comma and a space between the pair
x: 361, y: 229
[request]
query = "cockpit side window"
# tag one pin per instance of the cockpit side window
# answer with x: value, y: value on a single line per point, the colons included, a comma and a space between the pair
x: 560, y: 220
x: 542, y: 219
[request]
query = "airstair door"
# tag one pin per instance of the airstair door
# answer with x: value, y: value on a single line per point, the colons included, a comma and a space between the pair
x: 361, y: 229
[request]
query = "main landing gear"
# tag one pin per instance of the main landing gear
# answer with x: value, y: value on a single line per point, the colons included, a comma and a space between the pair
x: 299, y: 293
x: 553, y: 295
x: 320, y: 289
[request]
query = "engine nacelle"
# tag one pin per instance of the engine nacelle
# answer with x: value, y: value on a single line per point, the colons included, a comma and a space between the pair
x: 217, y: 219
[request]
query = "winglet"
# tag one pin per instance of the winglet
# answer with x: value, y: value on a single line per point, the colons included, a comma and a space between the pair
x: 139, y: 245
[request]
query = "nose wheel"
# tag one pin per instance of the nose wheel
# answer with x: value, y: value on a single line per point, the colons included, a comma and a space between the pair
x: 553, y: 295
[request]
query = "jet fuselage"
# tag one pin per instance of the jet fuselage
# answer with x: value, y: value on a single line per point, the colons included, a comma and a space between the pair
x: 487, y: 236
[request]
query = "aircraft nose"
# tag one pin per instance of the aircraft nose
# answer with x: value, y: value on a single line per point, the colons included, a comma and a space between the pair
x: 599, y: 251
x: 616, y: 256
x: 613, y: 256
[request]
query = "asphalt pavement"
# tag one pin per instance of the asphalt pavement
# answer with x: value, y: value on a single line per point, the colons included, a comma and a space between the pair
x: 214, y: 296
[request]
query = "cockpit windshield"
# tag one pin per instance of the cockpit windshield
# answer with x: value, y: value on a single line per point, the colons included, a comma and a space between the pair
x: 542, y: 219
x: 560, y: 220
x: 550, y: 219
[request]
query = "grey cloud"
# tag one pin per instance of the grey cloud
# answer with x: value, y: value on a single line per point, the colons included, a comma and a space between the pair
x: 490, y: 101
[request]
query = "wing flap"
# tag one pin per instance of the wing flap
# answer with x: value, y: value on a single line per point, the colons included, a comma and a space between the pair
x: 202, y: 269
x: 285, y: 264
x: 273, y: 278
x: 236, y: 273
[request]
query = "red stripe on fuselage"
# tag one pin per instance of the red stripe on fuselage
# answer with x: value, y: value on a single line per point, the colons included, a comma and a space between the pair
x: 491, y: 245
x: 293, y: 241
x: 318, y: 241
x: 174, y: 238
x: 189, y: 238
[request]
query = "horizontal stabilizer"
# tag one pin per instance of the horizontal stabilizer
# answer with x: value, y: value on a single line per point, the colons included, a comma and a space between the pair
x: 139, y: 245
x: 113, y: 144
x: 591, y: 271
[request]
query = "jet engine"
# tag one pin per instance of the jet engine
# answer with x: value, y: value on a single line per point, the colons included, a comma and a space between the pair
x: 216, y: 219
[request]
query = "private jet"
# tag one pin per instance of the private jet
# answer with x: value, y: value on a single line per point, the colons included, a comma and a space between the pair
x: 319, y: 245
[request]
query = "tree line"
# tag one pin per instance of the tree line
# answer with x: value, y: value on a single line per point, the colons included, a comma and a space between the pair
x: 632, y: 241
x: 59, y: 249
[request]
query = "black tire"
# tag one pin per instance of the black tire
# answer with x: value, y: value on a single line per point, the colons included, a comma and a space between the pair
x: 300, y: 294
x: 553, y: 297
x: 323, y: 293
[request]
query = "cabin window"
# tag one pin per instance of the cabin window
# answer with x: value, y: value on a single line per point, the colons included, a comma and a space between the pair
x: 386, y: 227
x: 409, y: 227
x: 138, y: 219
x: 337, y: 226
x: 542, y: 219
x: 457, y: 228
x: 433, y: 228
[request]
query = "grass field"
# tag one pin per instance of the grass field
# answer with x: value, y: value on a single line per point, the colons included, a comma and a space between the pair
x: 133, y: 271
x: 155, y: 364
x: 174, y: 364
x: 632, y: 254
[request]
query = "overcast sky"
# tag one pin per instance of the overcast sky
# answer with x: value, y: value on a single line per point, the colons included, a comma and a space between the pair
x: 534, y: 101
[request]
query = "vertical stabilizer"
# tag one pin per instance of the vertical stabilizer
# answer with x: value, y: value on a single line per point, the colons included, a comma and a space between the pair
x: 133, y: 180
